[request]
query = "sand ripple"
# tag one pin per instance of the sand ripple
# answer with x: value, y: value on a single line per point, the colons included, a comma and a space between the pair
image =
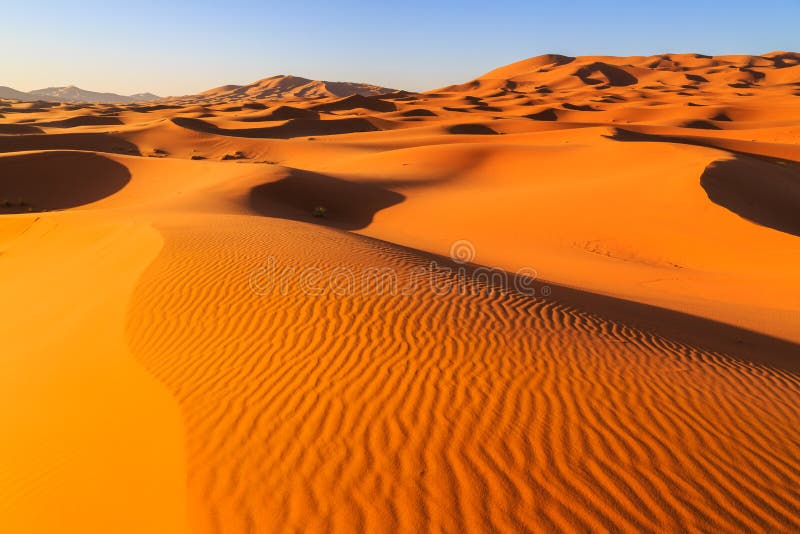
x: 458, y: 413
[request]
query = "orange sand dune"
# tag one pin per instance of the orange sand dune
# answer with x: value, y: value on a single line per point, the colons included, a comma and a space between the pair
x: 562, y: 296
x: 288, y: 86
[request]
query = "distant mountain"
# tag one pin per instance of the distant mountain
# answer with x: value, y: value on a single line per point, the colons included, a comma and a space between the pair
x: 71, y: 93
x: 284, y: 86
x: 13, y: 94
x: 292, y: 86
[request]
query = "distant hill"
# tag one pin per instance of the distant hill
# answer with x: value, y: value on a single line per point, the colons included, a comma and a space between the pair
x: 71, y: 93
x: 13, y: 94
x: 292, y: 86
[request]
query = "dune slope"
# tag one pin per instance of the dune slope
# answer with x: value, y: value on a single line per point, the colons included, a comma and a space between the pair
x: 470, y: 412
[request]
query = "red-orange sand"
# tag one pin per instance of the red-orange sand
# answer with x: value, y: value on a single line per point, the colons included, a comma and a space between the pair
x: 154, y: 380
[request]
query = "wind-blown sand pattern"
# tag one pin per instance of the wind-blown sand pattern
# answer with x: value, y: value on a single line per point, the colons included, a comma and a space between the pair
x: 649, y: 383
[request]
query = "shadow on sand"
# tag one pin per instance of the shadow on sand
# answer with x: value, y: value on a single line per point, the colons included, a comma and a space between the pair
x: 347, y: 205
x: 57, y: 180
x: 761, y: 189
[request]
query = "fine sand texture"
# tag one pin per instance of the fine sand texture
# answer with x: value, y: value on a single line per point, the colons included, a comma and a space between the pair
x: 561, y: 297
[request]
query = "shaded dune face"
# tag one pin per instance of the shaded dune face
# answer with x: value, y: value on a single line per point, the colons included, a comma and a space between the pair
x: 760, y: 191
x: 100, y: 142
x: 471, y: 129
x: 282, y: 113
x: 6, y: 129
x: 779, y: 153
x: 357, y: 101
x: 36, y: 182
x: 86, y: 120
x: 291, y: 128
x: 346, y: 205
x: 599, y: 73
x: 545, y: 115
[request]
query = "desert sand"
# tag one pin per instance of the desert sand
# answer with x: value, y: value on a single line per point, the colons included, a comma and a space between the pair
x: 156, y: 380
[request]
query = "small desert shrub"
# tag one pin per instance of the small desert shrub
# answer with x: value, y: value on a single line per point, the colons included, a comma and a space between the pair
x: 236, y: 155
x: 320, y: 211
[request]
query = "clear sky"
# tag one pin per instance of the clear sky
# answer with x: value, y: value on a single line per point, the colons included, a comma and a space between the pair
x: 173, y: 47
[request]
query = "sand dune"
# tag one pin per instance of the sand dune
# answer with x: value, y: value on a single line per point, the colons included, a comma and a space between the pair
x: 36, y: 181
x: 525, y: 417
x: 288, y: 86
x: 245, y: 311
x: 289, y: 128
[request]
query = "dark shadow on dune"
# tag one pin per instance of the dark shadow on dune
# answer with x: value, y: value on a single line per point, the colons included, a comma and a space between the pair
x: 788, y: 59
x: 734, y: 342
x: 738, y: 343
x: 471, y: 129
x: 11, y: 109
x: 282, y: 113
x: 760, y: 191
x: 254, y: 105
x: 701, y: 125
x: 399, y: 95
x: 629, y: 136
x: 616, y: 76
x: 579, y: 107
x: 97, y: 142
x: 347, y: 205
x: 17, y: 129
x: 356, y: 102
x: 154, y: 107
x: 695, y: 78
x: 87, y: 120
x: 621, y: 134
x: 292, y: 128
x: 419, y: 112
x: 545, y: 115
x: 57, y: 180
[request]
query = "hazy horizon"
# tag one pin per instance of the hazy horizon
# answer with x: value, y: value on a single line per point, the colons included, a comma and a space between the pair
x: 182, y: 49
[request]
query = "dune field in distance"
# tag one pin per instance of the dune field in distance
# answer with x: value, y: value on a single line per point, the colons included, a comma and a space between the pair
x: 563, y: 296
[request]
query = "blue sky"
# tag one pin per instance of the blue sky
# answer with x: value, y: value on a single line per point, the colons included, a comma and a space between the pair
x: 183, y: 47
